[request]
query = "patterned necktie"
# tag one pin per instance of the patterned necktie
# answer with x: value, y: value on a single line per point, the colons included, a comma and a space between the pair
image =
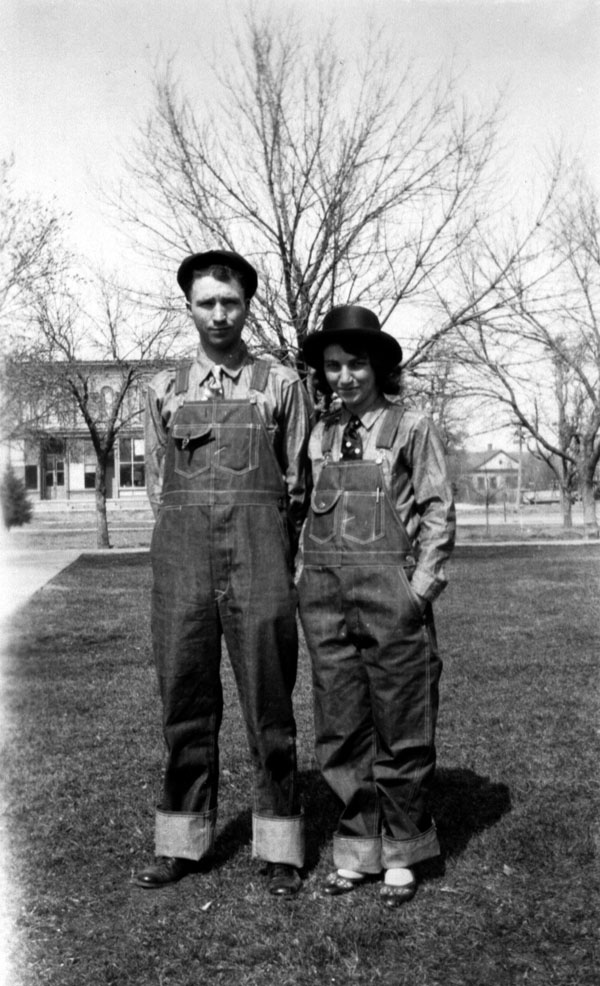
x: 351, y: 440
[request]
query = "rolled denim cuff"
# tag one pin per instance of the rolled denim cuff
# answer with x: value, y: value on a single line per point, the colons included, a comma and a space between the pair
x: 278, y: 840
x: 189, y: 835
x: 359, y: 853
x: 407, y: 852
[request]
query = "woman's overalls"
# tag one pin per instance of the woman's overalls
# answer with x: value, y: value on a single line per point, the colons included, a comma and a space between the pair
x: 221, y: 563
x: 375, y: 663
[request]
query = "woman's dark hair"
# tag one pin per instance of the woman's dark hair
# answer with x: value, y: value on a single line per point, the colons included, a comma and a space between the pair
x: 387, y: 379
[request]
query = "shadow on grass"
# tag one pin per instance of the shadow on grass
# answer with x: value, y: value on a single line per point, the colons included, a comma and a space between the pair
x: 463, y: 804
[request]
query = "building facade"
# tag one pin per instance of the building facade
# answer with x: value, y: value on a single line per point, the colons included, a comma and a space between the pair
x: 52, y: 450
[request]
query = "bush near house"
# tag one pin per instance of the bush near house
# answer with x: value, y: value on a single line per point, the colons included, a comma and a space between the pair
x: 16, y: 508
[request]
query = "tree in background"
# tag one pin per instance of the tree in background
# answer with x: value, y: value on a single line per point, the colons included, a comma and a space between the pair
x: 343, y: 180
x: 541, y: 359
x: 30, y: 238
x: 53, y: 374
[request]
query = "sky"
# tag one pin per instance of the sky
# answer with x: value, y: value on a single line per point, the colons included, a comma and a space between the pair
x: 76, y: 75
x: 76, y: 81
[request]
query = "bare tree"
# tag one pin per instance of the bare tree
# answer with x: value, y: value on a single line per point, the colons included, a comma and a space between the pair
x: 344, y: 181
x: 54, y: 376
x: 541, y: 358
x: 30, y: 243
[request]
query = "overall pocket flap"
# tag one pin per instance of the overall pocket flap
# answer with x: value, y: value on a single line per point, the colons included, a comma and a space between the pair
x: 191, y: 431
x: 324, y: 500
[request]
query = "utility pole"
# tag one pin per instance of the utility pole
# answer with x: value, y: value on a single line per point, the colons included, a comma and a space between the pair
x: 519, y: 473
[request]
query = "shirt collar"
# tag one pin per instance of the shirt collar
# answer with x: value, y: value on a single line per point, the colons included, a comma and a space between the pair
x: 205, y: 365
x: 370, y: 417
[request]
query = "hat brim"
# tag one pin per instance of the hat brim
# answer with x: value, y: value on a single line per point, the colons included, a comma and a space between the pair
x: 374, y: 340
x: 223, y: 258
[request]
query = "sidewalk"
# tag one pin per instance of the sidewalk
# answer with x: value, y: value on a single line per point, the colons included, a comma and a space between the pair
x: 23, y: 572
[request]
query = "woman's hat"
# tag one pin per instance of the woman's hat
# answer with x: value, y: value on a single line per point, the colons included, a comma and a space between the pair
x: 356, y: 325
x: 217, y: 258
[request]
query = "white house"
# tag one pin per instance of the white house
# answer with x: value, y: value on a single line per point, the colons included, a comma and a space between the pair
x: 56, y: 458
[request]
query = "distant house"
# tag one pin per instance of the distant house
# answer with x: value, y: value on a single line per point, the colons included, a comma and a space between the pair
x: 493, y: 470
x: 55, y: 456
x: 493, y: 475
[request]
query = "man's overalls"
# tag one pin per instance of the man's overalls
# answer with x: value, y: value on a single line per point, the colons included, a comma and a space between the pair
x: 375, y: 663
x: 221, y: 562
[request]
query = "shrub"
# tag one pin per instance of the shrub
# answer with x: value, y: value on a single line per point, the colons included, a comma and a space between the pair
x: 16, y: 508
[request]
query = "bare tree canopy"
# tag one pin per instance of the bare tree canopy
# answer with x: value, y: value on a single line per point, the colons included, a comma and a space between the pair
x: 343, y: 181
x: 30, y: 247
x: 541, y: 358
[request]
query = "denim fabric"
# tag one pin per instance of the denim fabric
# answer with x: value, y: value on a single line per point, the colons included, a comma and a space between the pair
x: 279, y: 840
x: 376, y: 669
x: 222, y: 568
x: 415, y: 478
x: 282, y: 406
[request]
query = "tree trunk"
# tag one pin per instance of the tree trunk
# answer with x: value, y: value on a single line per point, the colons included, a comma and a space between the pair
x: 567, y: 510
x: 102, y: 540
x: 590, y: 520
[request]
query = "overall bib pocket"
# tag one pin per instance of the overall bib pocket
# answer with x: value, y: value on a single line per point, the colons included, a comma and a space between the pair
x: 321, y: 519
x: 192, y: 448
x: 237, y: 447
x: 363, y: 517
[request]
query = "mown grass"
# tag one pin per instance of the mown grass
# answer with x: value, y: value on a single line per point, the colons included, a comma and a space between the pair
x: 514, y: 898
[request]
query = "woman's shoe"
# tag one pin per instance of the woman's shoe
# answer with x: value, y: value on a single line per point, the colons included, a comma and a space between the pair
x: 393, y: 896
x: 336, y: 884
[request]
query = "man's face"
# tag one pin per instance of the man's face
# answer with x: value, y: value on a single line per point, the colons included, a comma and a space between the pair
x: 218, y: 310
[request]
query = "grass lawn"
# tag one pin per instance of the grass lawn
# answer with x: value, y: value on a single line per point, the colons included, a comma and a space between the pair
x: 513, y: 899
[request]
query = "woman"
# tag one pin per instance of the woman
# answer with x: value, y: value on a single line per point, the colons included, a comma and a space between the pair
x: 380, y: 528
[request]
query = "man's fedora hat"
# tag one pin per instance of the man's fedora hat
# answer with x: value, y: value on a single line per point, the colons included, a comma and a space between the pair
x: 221, y: 258
x: 356, y: 325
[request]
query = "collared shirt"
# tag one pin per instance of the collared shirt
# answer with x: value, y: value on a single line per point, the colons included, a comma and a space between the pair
x: 415, y: 473
x: 283, y: 406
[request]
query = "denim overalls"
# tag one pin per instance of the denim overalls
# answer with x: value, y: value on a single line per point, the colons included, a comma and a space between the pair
x: 375, y: 663
x: 221, y: 563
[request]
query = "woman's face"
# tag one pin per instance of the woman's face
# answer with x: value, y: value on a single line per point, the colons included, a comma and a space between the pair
x: 351, y: 377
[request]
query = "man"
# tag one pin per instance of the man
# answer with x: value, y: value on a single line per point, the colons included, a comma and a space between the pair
x: 226, y: 440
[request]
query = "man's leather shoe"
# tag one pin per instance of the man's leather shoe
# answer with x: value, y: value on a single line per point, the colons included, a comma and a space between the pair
x: 283, y: 880
x: 164, y: 870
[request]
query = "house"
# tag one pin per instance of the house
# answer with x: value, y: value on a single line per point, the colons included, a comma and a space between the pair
x: 493, y: 476
x: 493, y: 470
x: 52, y: 450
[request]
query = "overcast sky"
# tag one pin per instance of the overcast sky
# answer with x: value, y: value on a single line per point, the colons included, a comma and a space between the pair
x: 76, y: 73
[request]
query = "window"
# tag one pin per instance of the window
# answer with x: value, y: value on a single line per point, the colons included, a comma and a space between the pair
x: 89, y: 467
x: 31, y: 478
x: 132, y: 474
x: 107, y: 399
x: 55, y: 470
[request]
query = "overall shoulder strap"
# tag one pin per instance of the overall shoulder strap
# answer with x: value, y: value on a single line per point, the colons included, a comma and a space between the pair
x: 330, y: 420
x: 389, y: 427
x: 260, y: 374
x: 182, y: 377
